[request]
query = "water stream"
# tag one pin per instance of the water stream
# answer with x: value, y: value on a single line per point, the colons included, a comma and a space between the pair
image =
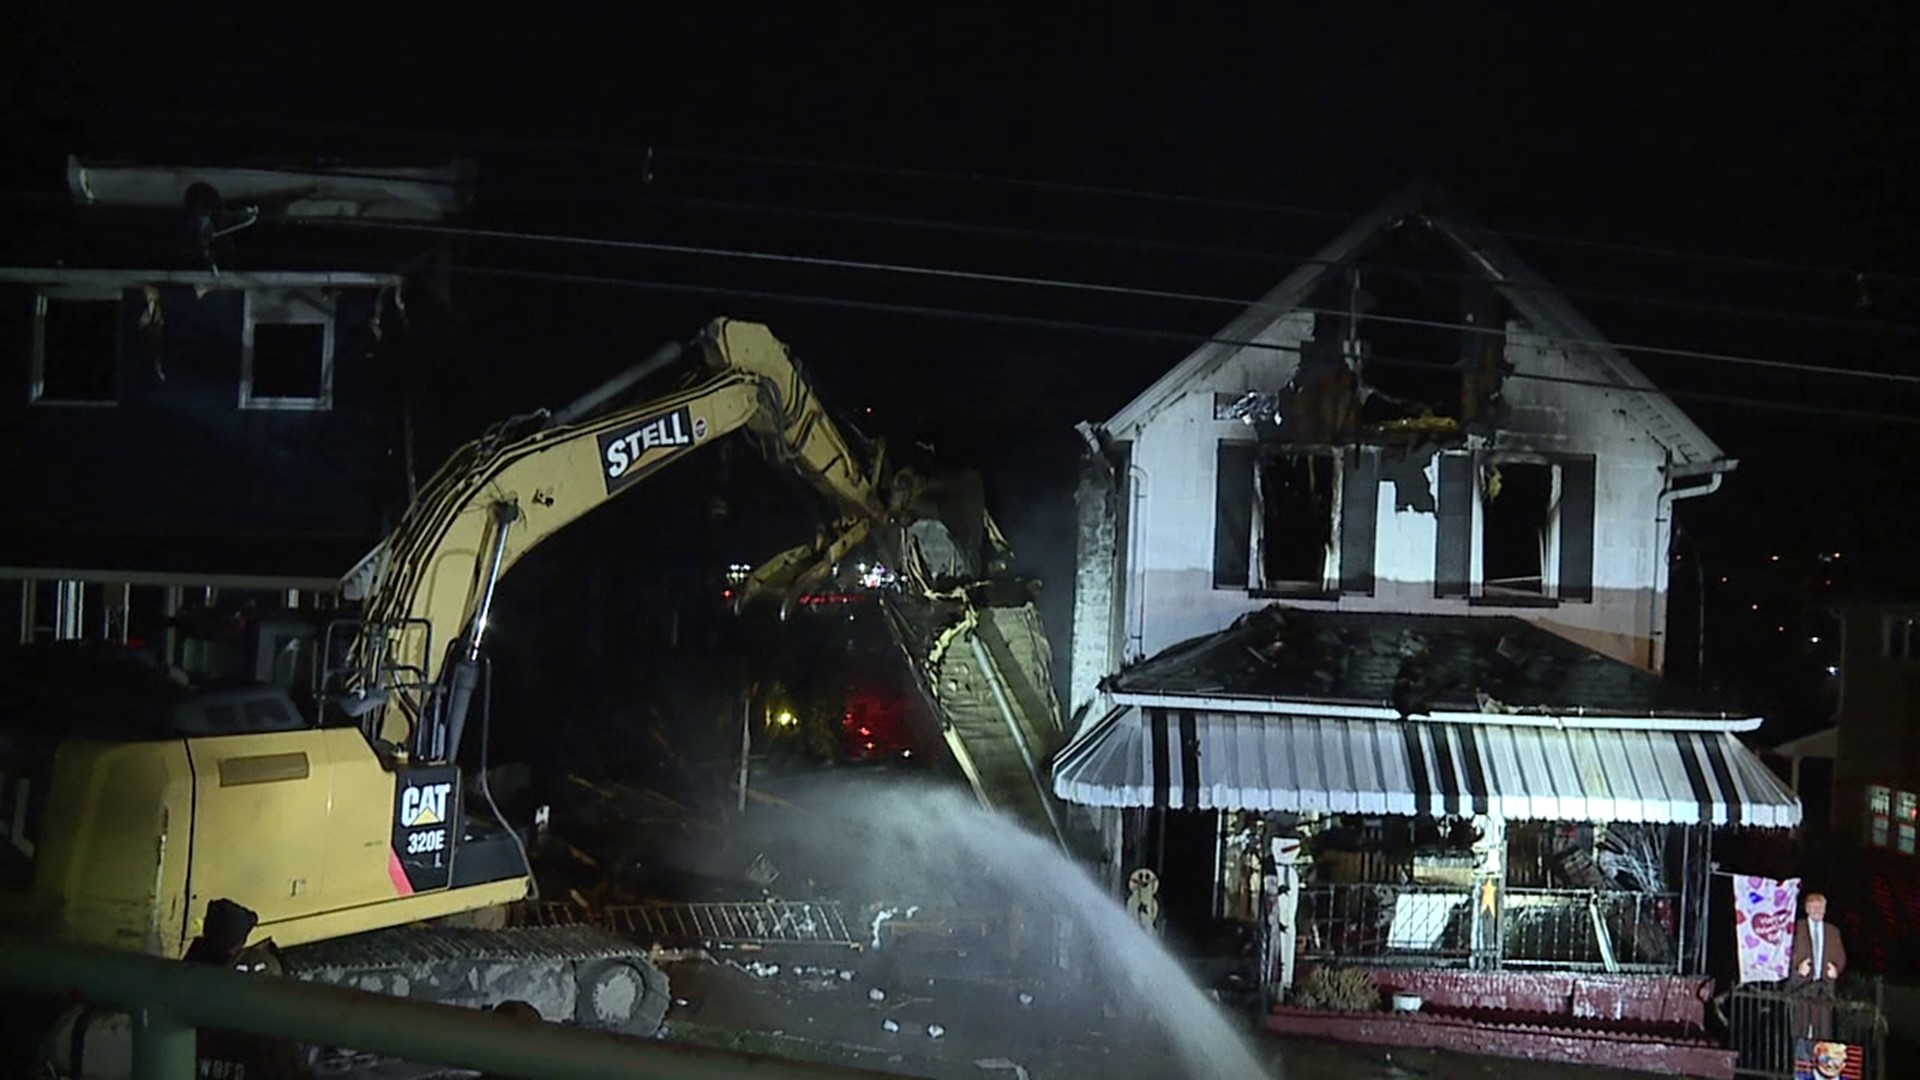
x: 1097, y: 994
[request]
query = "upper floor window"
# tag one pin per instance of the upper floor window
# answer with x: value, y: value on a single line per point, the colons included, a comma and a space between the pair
x: 286, y: 351
x: 76, y: 349
x: 1296, y: 497
x: 1294, y: 520
x: 1901, y: 639
x: 1515, y: 528
x: 1893, y: 818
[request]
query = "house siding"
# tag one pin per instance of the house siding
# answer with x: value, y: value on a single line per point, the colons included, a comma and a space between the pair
x: 1169, y: 590
x: 174, y: 451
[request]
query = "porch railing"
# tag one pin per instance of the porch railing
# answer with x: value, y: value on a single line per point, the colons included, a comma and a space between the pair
x: 1590, y: 929
x: 1388, y: 923
x: 1576, y: 929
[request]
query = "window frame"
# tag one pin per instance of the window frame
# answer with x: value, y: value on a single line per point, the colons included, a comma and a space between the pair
x: 43, y: 298
x: 1331, y: 570
x: 1550, y: 584
x: 287, y: 307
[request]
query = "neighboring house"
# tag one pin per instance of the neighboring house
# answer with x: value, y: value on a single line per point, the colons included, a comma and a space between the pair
x: 186, y: 410
x: 1861, y: 782
x: 1376, y: 580
x: 1876, y: 766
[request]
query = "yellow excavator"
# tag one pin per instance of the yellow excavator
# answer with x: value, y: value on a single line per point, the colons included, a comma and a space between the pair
x: 343, y: 821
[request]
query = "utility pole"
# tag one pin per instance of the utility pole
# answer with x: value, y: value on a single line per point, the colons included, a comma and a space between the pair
x: 746, y: 742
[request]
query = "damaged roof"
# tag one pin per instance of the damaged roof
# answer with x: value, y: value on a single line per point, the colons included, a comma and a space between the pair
x: 1412, y: 663
x: 1546, y: 312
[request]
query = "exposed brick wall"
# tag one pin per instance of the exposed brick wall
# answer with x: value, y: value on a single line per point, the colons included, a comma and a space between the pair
x: 1096, y: 505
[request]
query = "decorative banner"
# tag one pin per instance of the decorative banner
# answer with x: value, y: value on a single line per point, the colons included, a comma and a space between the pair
x: 1763, y: 925
x: 1816, y: 1060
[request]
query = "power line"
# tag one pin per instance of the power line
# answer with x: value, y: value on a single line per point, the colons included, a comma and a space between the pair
x: 1267, y: 255
x: 1135, y: 332
x: 651, y: 153
x: 1030, y: 281
x: 814, y: 164
x: 470, y: 184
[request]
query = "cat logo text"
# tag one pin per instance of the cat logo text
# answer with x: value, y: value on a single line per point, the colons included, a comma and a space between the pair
x: 424, y: 805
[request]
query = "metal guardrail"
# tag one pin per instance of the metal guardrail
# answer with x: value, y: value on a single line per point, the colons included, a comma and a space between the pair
x: 1771, y: 1025
x: 762, y: 922
x: 1590, y: 929
x: 169, y: 999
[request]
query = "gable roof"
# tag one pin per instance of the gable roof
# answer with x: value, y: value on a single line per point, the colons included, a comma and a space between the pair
x: 1546, y: 312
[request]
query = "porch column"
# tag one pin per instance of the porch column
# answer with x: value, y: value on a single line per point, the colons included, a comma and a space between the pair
x: 117, y: 604
x: 1489, y: 890
x: 170, y: 604
x: 29, y: 609
x: 1282, y: 889
x: 69, y: 610
x: 1113, y: 832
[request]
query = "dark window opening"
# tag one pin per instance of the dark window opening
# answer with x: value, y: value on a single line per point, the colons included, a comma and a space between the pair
x: 289, y: 360
x: 79, y: 351
x: 1516, y: 526
x: 1296, y: 494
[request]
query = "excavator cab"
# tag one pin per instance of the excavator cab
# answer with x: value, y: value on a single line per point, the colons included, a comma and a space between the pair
x: 241, y: 642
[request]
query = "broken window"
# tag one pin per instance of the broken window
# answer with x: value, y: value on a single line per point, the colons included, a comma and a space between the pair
x: 76, y: 349
x: 1517, y: 534
x: 1515, y: 526
x: 287, y: 352
x: 1297, y: 496
x: 1295, y: 519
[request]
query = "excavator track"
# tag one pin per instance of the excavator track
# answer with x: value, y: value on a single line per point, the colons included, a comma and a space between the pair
x: 572, y: 974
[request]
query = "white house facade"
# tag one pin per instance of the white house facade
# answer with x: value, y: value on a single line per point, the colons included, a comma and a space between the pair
x: 1331, y: 451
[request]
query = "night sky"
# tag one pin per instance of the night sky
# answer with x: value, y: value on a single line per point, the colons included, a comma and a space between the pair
x: 1783, y: 148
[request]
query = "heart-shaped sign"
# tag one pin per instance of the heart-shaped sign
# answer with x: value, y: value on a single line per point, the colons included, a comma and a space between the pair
x: 1772, y: 925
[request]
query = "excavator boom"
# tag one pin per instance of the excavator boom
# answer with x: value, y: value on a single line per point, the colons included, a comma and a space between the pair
x: 502, y: 495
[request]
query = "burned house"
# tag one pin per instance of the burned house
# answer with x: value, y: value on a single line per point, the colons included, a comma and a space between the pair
x: 1370, y: 602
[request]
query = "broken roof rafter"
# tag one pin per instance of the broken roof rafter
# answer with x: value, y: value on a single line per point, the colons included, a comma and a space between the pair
x: 1552, y: 319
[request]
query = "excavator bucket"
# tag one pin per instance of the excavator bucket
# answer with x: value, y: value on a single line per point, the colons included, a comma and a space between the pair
x: 980, y: 653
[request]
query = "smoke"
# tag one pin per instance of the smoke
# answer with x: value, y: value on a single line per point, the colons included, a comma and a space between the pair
x: 1030, y: 490
x: 1006, y: 934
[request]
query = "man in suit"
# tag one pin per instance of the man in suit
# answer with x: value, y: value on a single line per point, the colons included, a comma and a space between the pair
x: 1819, y: 959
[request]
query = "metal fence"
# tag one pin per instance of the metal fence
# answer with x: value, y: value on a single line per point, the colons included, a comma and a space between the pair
x: 1429, y: 923
x: 1775, y: 1029
x: 762, y: 922
x: 1590, y: 929
x: 1568, y: 929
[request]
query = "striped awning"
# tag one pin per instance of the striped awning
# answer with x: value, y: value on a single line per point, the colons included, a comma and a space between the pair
x: 1195, y: 760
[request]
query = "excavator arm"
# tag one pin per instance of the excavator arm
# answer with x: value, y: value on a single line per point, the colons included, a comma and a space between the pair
x: 503, y: 494
x: 981, y: 661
